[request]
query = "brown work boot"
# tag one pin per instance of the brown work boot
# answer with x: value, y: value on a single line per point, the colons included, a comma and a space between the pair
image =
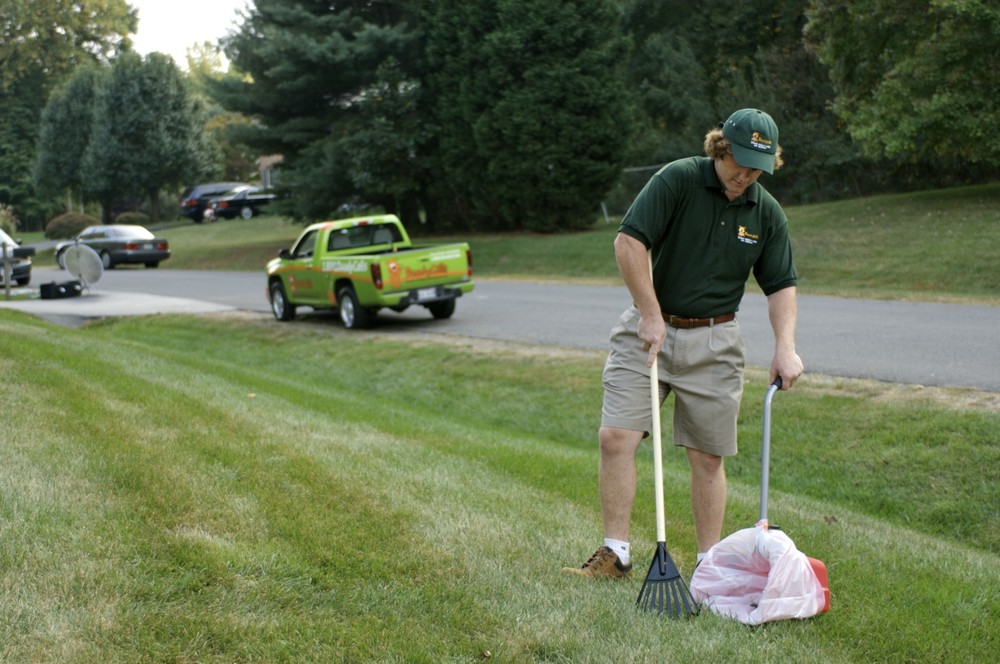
x: 604, y: 564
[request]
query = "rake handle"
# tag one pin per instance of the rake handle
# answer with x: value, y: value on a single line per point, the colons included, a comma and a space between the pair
x: 654, y: 392
x: 654, y: 399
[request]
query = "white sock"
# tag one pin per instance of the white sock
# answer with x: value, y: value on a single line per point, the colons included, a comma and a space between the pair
x: 620, y: 548
x: 700, y: 556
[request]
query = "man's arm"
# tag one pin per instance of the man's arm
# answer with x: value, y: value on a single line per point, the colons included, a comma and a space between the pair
x: 633, y: 264
x: 782, y: 310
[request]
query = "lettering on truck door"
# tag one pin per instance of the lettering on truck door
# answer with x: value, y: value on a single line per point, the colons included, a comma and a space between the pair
x: 304, y: 282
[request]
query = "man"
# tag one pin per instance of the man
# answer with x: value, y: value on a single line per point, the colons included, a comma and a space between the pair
x: 707, y: 224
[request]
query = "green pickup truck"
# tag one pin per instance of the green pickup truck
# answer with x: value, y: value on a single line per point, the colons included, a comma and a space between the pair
x: 358, y: 266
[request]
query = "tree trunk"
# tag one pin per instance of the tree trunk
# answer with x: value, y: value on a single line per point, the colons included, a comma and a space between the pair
x: 154, y: 205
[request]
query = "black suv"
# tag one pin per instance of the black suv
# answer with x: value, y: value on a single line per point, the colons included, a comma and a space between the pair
x: 195, y: 199
x: 244, y: 202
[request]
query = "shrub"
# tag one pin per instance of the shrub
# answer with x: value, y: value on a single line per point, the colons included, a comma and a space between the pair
x: 8, y: 222
x: 132, y: 218
x: 69, y: 225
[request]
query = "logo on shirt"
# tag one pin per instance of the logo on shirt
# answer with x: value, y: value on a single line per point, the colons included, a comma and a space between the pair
x: 746, y: 237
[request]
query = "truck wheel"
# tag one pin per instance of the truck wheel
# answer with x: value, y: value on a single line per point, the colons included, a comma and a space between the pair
x: 280, y: 306
x: 352, y: 314
x: 443, y: 309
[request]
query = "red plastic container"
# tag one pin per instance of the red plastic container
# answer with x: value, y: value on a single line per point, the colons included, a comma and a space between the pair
x: 819, y: 569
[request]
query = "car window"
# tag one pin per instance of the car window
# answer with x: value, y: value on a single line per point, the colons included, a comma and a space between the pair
x: 228, y: 191
x: 305, y: 247
x: 133, y: 232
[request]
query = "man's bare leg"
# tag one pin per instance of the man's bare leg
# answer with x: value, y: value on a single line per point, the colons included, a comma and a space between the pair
x: 617, y: 479
x: 708, y: 497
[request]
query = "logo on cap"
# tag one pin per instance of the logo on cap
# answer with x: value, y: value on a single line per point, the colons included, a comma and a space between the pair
x: 759, y: 142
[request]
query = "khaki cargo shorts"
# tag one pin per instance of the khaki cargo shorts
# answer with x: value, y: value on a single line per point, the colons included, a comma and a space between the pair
x: 703, y: 367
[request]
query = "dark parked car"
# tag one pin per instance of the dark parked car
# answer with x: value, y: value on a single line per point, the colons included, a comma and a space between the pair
x: 118, y: 244
x: 20, y: 260
x: 241, y: 202
x: 195, y: 199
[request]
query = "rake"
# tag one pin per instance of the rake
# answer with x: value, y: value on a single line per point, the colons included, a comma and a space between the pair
x: 663, y: 591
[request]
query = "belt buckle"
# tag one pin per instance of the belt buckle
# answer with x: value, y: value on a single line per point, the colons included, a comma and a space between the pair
x: 680, y: 322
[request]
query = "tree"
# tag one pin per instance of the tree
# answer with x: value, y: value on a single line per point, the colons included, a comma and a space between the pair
x: 692, y: 64
x: 380, y: 152
x: 54, y: 36
x: 65, y: 134
x: 236, y: 161
x: 20, y: 106
x: 670, y: 81
x: 148, y: 133
x: 304, y: 68
x: 41, y: 42
x: 528, y: 108
x: 917, y: 81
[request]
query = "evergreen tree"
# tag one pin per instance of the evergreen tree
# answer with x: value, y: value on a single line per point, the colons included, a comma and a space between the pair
x: 306, y: 71
x: 529, y: 109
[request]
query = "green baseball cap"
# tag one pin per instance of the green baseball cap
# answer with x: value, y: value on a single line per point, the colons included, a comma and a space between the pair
x: 754, y: 138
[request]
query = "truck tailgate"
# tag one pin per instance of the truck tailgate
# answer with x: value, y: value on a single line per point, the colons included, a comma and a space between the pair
x: 414, y: 269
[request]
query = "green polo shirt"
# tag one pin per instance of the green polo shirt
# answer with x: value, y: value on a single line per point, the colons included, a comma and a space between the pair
x: 704, y: 245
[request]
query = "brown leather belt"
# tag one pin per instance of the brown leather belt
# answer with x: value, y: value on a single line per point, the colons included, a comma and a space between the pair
x: 688, y: 323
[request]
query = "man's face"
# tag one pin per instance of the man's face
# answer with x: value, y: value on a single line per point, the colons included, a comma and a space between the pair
x: 735, y: 178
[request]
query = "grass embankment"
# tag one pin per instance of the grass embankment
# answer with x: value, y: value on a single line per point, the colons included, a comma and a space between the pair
x: 234, y: 489
x: 935, y: 245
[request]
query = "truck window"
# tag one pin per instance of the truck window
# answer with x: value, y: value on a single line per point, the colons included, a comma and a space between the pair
x: 363, y: 236
x: 304, y: 248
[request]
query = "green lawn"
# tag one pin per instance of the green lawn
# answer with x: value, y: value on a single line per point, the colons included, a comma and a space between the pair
x: 232, y: 489
x: 224, y: 489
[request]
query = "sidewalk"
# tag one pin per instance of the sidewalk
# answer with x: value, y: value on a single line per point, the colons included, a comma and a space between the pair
x: 96, y: 304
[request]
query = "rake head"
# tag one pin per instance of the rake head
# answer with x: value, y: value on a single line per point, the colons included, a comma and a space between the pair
x: 664, y: 591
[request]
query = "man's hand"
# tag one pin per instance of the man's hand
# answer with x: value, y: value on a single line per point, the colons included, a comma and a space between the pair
x: 788, y: 365
x: 652, y: 331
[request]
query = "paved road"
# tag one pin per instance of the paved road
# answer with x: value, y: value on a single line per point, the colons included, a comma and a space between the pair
x: 917, y: 343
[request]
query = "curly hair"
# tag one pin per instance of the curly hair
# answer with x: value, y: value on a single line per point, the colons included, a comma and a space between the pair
x: 717, y: 146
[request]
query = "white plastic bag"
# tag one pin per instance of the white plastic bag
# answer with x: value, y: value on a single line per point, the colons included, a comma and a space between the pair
x: 756, y: 575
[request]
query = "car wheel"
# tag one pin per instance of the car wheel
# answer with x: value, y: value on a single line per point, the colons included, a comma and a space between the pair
x: 23, y: 282
x: 280, y: 306
x: 443, y: 309
x: 153, y: 264
x: 247, y: 212
x: 106, y: 261
x: 352, y: 314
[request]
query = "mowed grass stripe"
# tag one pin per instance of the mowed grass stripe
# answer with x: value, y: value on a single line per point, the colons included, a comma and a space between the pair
x: 375, y: 500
